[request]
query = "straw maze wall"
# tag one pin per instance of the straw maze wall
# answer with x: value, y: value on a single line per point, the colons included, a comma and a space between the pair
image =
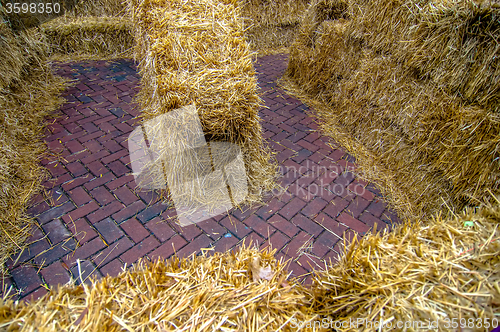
x: 411, y: 90
x: 416, y: 248
x: 103, y: 28
x: 28, y: 94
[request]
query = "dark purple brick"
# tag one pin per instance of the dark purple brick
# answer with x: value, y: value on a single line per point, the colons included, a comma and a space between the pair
x: 161, y: 229
x: 212, y: 228
x: 85, y: 251
x: 56, y: 231
x: 113, y: 268
x: 128, y: 212
x: 357, y: 206
x: 168, y: 248
x: 102, y: 195
x: 76, y: 168
x: 79, y: 196
x: 151, y: 211
x: 55, y: 274
x: 336, y: 206
x: 298, y: 244
x: 81, y: 230
x: 376, y: 208
x: 85, y: 271
x: 306, y: 224
x: 235, y: 226
x: 140, y: 250
x: 109, y: 230
x: 26, y: 278
x: 105, y: 211
x: 55, y: 252
x: 55, y: 212
x: 270, y: 208
x: 291, y: 208
x: 253, y: 240
x: 118, y: 168
x: 353, y: 223
x: 112, y: 251
x: 283, y: 225
x: 314, y: 207
x: 135, y: 230
x: 225, y: 243
x: 99, y: 180
x: 31, y: 251
x: 125, y: 195
x: 194, y: 246
x: 97, y: 168
x: 263, y: 228
x: 277, y: 241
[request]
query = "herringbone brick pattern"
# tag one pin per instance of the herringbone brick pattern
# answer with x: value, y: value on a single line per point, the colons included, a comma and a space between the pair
x: 93, y: 221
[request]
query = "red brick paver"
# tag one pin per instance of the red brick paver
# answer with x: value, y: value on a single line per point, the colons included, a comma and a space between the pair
x: 93, y: 220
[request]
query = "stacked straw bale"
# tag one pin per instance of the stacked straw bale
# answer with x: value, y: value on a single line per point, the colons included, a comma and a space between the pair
x: 91, y: 30
x: 96, y: 8
x: 270, y: 25
x: 28, y: 93
x: 89, y: 37
x: 224, y: 292
x: 456, y: 45
x: 103, y: 29
x: 437, y: 270
x: 193, y: 52
x: 424, y: 128
x: 440, y: 268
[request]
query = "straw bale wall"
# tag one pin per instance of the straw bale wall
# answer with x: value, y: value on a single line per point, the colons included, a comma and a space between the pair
x: 29, y: 93
x: 429, y: 272
x: 89, y: 37
x: 422, y: 120
x: 194, y: 53
x: 270, y: 25
x: 103, y: 28
x: 454, y: 43
x: 90, y: 30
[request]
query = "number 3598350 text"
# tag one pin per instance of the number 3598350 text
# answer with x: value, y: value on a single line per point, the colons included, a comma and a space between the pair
x: 32, y: 8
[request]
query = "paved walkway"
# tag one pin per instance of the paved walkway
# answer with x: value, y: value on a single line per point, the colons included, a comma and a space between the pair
x: 93, y: 212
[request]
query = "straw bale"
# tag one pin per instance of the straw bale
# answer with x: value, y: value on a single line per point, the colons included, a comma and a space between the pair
x: 102, y: 29
x: 270, y: 25
x: 193, y: 52
x: 247, y: 290
x: 273, y: 12
x: 384, y: 24
x: 455, y: 43
x: 423, y: 139
x: 18, y: 49
x: 409, y: 134
x: 31, y: 94
x: 322, y: 55
x: 11, y: 54
x: 89, y: 37
x: 95, y: 8
x: 270, y: 39
x: 439, y: 269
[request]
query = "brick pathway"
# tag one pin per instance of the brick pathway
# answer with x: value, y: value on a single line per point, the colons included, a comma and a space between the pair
x: 92, y: 212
